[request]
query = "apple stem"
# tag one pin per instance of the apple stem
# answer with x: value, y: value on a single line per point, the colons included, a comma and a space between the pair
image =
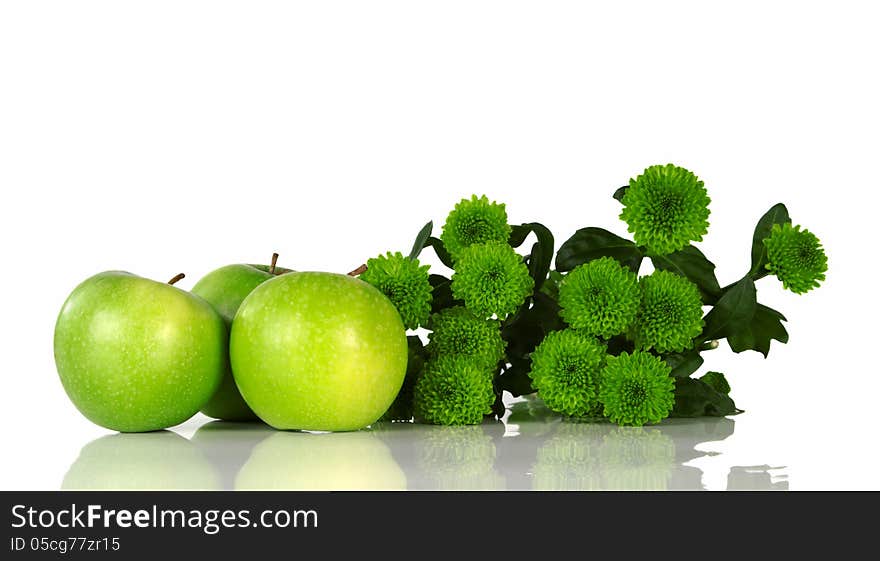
x: 357, y: 271
x: 274, y: 262
x: 176, y: 278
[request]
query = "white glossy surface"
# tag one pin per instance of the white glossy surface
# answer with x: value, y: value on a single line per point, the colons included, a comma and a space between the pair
x: 529, y: 450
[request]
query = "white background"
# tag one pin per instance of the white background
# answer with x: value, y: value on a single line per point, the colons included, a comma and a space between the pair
x: 168, y: 136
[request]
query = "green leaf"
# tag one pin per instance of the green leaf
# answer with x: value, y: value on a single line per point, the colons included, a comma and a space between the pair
x: 693, y: 265
x: 696, y: 398
x: 530, y: 325
x: 765, y: 326
x: 440, y: 250
x: 620, y: 344
x: 421, y: 239
x: 733, y: 312
x: 522, y: 337
x: 620, y: 192
x: 441, y: 293
x: 518, y: 235
x: 716, y: 381
x: 545, y: 312
x: 498, y: 408
x: 777, y: 214
x: 591, y: 243
x: 515, y: 378
x: 551, y: 287
x: 683, y: 364
x: 542, y: 251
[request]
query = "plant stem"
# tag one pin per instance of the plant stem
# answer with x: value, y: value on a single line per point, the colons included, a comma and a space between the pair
x: 358, y: 271
x: 274, y: 262
x: 176, y: 278
x: 709, y: 345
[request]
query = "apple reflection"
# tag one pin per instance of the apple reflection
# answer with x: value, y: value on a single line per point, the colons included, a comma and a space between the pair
x: 326, y: 462
x: 228, y: 445
x: 159, y: 460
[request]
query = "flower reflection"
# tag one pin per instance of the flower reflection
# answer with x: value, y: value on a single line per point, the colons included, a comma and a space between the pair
x: 570, y: 455
x: 603, y: 456
x: 457, y: 458
x: 570, y: 459
x: 636, y: 458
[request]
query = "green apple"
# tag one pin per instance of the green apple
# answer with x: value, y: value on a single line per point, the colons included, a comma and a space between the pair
x: 154, y: 461
x: 136, y: 355
x: 225, y: 289
x: 318, y: 351
x: 321, y: 462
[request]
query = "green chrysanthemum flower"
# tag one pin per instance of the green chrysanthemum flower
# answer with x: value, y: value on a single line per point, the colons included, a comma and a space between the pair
x: 457, y: 331
x: 566, y: 368
x: 454, y: 390
x: 796, y: 257
x: 600, y: 297
x: 666, y: 208
x: 474, y: 221
x: 637, y: 389
x: 671, y: 314
x: 402, y: 407
x: 405, y: 282
x: 491, y: 279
